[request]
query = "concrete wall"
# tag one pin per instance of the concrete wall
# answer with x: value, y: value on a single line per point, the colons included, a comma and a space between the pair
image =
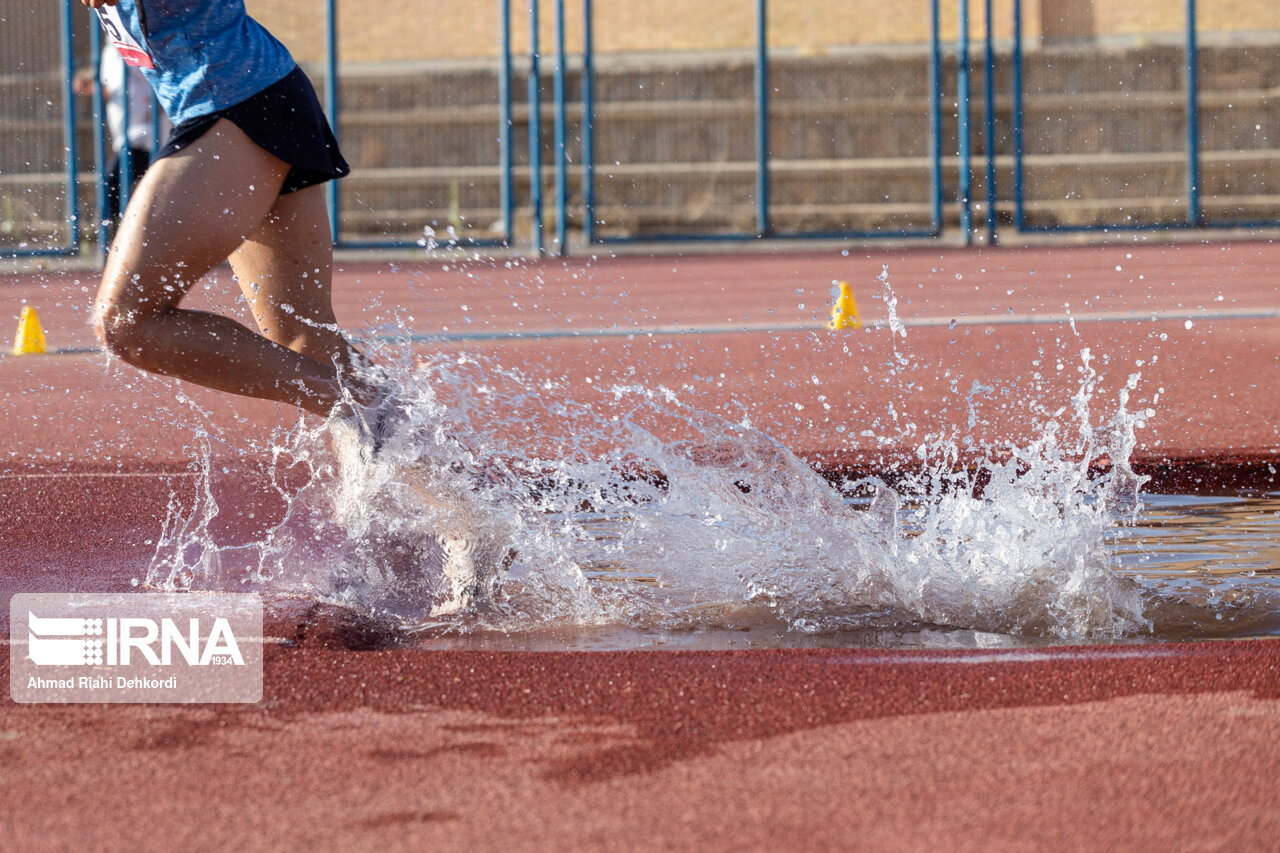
x: 446, y: 29
x: 30, y: 37
x: 398, y: 30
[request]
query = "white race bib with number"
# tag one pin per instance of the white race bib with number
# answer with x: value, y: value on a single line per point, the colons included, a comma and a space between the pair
x: 130, y: 50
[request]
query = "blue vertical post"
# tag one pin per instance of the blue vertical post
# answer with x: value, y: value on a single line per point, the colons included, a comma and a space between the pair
x: 535, y: 129
x: 962, y: 125
x: 935, y: 112
x: 989, y: 98
x: 1194, y: 214
x: 1016, y: 120
x: 588, y: 126
x: 561, y: 131
x: 331, y: 106
x: 99, y: 138
x: 505, y: 189
x: 124, y: 182
x: 69, y: 127
x: 155, y: 125
x: 762, y: 118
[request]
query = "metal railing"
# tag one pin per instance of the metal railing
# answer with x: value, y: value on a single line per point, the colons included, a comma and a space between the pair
x: 765, y: 226
x: 19, y: 182
x: 1194, y: 217
x: 506, y: 177
x: 1062, y: 176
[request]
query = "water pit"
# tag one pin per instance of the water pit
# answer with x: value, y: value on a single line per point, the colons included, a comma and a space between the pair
x: 626, y: 520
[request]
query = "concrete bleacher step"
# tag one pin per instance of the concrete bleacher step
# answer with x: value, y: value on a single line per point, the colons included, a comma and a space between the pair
x: 458, y: 136
x: 33, y: 209
x: 886, y: 194
x: 425, y: 88
x: 737, y: 218
x: 659, y: 131
x: 822, y: 194
x: 830, y: 181
x: 675, y: 137
x: 870, y: 180
x: 28, y: 145
x: 1149, y: 121
x: 725, y: 130
x: 37, y: 196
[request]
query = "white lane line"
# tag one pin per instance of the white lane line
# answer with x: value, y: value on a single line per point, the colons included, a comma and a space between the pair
x: 1154, y: 649
x: 266, y: 641
x: 966, y: 657
x: 54, y: 475
x: 814, y: 326
x: 1065, y: 653
x: 83, y: 350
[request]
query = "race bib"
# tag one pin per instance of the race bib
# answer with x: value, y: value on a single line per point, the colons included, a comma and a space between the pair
x: 130, y: 50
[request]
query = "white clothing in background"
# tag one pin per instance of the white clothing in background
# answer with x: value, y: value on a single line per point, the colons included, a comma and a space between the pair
x: 111, y: 72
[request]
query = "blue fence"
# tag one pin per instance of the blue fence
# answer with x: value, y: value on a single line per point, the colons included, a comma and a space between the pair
x: 39, y: 192
x: 503, y: 128
x: 576, y: 147
x: 765, y: 152
x: 1129, y: 123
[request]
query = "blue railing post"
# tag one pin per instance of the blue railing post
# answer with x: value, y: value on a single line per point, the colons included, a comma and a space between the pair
x: 1194, y: 214
x: 155, y: 125
x: 69, y: 127
x: 99, y: 139
x: 989, y: 97
x: 124, y: 168
x: 505, y: 189
x: 1019, y: 213
x: 561, y: 131
x: 762, y: 118
x: 588, y: 126
x: 962, y: 125
x: 331, y: 105
x: 935, y: 113
x: 535, y: 129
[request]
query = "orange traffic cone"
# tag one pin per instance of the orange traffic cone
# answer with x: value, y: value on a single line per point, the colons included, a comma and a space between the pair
x: 844, y: 314
x: 30, y: 339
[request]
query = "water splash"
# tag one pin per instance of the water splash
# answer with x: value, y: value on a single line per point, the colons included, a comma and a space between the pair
x: 1019, y: 546
x: 625, y: 507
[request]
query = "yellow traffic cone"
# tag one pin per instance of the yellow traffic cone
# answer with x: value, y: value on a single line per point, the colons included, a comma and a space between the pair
x: 30, y: 339
x: 844, y: 314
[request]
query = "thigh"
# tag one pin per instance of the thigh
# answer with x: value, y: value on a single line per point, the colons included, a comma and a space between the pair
x: 190, y: 211
x: 285, y: 269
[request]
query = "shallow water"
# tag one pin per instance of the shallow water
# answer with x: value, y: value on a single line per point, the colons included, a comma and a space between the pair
x: 634, y: 522
x: 512, y: 510
x: 1209, y: 568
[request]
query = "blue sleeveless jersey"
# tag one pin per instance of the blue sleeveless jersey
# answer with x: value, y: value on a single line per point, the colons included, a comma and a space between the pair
x: 203, y: 55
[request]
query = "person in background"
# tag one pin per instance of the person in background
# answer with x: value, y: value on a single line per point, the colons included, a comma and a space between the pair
x: 111, y: 75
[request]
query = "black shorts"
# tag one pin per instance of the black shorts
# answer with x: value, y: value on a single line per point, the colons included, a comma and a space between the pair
x: 284, y: 119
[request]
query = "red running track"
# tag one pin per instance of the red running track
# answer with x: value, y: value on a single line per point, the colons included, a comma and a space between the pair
x: 1206, y: 363
x: 355, y: 746
x: 1152, y: 748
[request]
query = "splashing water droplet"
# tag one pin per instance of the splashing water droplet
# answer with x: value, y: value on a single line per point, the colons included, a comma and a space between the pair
x: 509, y: 502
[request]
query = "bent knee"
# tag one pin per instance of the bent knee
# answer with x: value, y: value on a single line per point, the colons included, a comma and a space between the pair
x: 123, y: 332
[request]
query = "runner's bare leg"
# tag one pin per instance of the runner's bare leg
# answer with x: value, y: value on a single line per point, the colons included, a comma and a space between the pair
x: 285, y: 269
x: 192, y: 210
